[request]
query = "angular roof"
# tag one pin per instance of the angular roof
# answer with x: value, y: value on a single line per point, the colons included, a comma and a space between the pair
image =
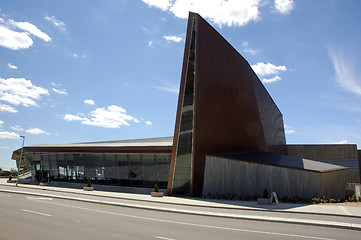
x: 281, y: 161
x: 145, y: 142
x: 146, y: 145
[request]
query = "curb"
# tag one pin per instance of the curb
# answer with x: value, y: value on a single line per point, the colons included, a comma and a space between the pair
x: 193, y: 205
x: 310, y: 222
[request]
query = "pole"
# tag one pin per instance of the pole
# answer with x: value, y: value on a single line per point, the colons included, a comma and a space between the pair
x: 21, y: 156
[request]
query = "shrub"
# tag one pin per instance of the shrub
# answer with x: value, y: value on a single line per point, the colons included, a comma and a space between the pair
x: 352, y: 199
x: 89, y: 184
x: 265, y: 193
x: 284, y: 199
x: 316, y: 200
x: 156, y: 188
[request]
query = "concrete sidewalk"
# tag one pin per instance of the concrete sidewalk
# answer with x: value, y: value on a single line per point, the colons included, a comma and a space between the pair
x: 170, y: 204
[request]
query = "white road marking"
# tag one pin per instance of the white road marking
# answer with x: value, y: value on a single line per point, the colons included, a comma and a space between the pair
x: 164, y: 238
x: 191, y: 224
x: 39, y: 198
x: 344, y: 210
x: 42, y: 214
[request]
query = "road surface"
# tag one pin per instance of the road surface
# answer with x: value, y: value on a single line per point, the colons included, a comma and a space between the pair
x: 34, y: 217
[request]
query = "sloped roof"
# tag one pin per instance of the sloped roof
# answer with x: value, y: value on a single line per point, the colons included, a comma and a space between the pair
x: 281, y: 161
x: 146, y: 145
x: 144, y: 142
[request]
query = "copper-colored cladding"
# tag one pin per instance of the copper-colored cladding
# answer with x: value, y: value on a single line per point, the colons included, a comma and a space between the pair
x: 232, y: 109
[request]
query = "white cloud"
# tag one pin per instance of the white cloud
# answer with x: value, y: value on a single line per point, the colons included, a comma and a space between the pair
x: 284, y: 6
x: 244, y: 44
x: 19, y: 91
x: 56, y: 23
x: 150, y: 43
x: 17, y: 128
x: 271, y: 80
x: 8, y: 135
x: 136, y: 120
x: 11, y: 66
x: 221, y: 12
x: 55, y: 85
x: 341, y: 142
x: 7, y: 108
x: 167, y: 87
x: 346, y: 77
x: 75, y: 55
x: 249, y: 50
x: 288, y: 130
x: 162, y: 4
x: 36, y: 131
x: 89, y: 101
x: 14, y: 40
x: 148, y: 123
x: 110, y: 117
x: 31, y: 28
x: 264, y: 69
x: 1, y: 123
x: 173, y: 38
x: 71, y: 117
x: 60, y: 91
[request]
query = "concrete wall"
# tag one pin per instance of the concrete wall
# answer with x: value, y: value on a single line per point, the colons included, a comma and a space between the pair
x: 333, y: 184
x: 246, y: 179
x: 338, y: 154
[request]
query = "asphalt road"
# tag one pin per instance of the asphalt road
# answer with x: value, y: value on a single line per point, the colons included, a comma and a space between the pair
x: 31, y: 217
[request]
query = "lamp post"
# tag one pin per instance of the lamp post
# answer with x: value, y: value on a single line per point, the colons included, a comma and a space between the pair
x: 21, y: 156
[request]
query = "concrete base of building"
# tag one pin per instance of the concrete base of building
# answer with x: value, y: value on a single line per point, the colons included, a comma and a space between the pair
x: 109, y: 188
x: 88, y: 188
x: 263, y: 201
x: 156, y: 194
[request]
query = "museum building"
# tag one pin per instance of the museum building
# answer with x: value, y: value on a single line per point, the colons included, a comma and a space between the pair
x: 229, y: 139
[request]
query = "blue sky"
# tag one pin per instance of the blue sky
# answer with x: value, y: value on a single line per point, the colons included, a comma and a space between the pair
x: 78, y: 71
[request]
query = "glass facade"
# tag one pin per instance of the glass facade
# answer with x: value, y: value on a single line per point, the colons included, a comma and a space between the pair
x: 134, y: 170
x: 183, y: 163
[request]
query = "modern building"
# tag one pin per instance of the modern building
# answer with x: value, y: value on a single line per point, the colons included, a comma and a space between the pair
x: 135, y: 163
x: 228, y: 139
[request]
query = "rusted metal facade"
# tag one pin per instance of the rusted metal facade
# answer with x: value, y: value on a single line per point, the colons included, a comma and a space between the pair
x: 222, y: 107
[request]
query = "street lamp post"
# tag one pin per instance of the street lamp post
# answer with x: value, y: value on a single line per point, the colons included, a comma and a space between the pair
x: 21, y: 156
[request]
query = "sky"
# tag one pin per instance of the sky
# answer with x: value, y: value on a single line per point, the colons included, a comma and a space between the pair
x: 85, y: 71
